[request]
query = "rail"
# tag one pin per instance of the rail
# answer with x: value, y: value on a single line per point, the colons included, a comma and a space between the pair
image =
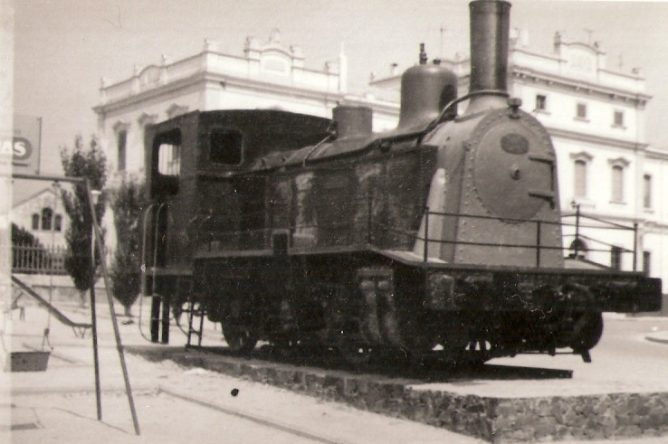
x: 32, y: 258
x: 365, y: 222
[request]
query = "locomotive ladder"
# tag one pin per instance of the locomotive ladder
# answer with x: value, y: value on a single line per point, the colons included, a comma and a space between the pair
x: 194, y: 309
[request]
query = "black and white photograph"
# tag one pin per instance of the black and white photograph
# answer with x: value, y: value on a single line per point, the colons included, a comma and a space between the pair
x: 334, y: 222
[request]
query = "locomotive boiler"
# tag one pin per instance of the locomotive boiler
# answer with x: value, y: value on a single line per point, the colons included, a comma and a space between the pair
x: 442, y: 234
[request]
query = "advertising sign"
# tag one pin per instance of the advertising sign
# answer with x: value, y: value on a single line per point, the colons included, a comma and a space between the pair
x: 26, y: 144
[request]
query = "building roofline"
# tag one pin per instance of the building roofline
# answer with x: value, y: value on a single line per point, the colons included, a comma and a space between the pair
x: 519, y: 71
x: 657, y: 153
x: 200, y: 54
x: 32, y: 196
x: 204, y: 76
x: 601, y: 140
x: 266, y: 86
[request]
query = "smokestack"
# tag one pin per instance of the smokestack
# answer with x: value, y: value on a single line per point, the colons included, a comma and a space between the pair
x: 490, y: 26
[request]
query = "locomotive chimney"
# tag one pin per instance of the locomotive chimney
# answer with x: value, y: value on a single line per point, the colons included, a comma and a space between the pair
x: 490, y: 25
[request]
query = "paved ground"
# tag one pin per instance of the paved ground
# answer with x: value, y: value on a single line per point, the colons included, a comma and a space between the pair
x: 192, y: 405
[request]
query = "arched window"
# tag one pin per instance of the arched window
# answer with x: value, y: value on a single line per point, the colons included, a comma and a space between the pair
x: 47, y: 216
x: 58, y: 222
x: 35, y: 221
x: 617, y: 184
x: 580, y: 185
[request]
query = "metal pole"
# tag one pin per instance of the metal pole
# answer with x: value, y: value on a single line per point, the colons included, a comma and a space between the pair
x: 426, y: 234
x: 110, y: 301
x: 538, y: 236
x: 166, y: 300
x: 93, y: 317
x: 577, y: 230
x: 155, y: 317
x: 635, y: 245
x: 369, y: 212
x: 156, y: 298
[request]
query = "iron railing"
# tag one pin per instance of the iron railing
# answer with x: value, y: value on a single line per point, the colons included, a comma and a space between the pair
x: 365, y: 227
x: 38, y: 259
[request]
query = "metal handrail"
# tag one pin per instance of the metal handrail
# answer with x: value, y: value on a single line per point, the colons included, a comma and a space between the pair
x: 423, y: 234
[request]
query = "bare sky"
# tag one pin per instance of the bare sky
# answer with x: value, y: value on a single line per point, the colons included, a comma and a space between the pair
x: 63, y: 47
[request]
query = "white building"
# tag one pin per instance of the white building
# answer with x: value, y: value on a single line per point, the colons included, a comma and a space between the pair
x: 594, y: 113
x: 42, y: 214
x: 269, y: 75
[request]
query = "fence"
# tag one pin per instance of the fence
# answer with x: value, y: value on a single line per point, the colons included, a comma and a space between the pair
x: 38, y: 259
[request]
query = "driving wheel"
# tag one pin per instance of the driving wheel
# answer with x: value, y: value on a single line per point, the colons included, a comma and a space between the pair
x: 240, y: 338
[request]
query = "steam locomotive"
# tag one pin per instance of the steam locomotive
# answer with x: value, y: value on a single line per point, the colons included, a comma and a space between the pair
x: 442, y: 234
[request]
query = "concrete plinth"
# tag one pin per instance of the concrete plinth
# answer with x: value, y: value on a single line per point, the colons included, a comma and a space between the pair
x: 493, y: 417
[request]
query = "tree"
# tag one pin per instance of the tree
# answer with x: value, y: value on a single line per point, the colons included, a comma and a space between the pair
x: 88, y: 163
x: 127, y: 203
x: 28, y: 251
x: 21, y: 236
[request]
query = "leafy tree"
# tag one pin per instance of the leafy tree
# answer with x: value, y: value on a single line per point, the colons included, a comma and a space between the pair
x: 89, y: 163
x: 21, y: 236
x: 37, y: 256
x: 128, y: 203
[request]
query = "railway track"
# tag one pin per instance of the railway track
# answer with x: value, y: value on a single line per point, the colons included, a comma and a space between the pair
x: 263, y: 421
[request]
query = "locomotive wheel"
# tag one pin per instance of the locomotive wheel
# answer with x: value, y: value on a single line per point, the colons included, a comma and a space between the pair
x: 286, y: 348
x: 587, y: 332
x: 354, y: 353
x: 240, y: 339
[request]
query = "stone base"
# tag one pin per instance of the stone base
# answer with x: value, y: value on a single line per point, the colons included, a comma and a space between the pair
x: 495, y: 419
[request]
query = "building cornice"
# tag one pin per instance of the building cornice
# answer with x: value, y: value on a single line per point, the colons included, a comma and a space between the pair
x: 657, y: 154
x: 528, y: 74
x: 223, y: 81
x: 599, y: 140
x: 268, y: 86
x: 143, y: 96
x: 231, y: 81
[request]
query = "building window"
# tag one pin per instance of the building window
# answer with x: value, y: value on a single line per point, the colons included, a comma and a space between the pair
x: 541, y: 102
x: 47, y: 216
x: 580, y: 185
x: 617, y: 184
x: 646, y: 262
x: 58, y: 222
x: 616, y: 258
x: 618, y: 119
x: 169, y: 153
x: 581, y: 111
x: 35, y: 221
x: 169, y: 159
x: 121, y: 144
x: 647, y: 191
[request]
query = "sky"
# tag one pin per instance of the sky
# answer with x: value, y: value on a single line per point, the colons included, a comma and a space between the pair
x: 63, y: 47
